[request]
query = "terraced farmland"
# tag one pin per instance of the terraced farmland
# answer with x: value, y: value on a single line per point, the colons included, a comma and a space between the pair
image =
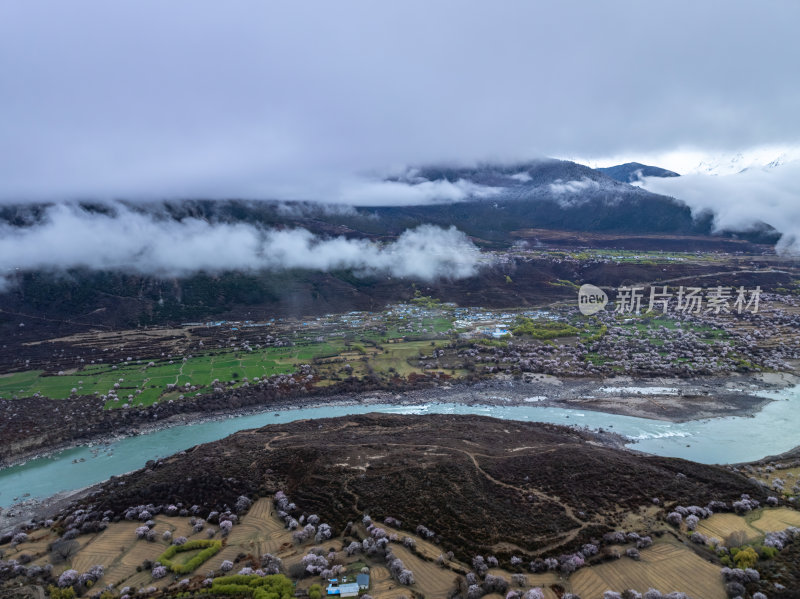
x: 665, y: 566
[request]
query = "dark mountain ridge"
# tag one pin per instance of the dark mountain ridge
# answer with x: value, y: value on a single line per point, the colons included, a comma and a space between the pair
x: 634, y: 171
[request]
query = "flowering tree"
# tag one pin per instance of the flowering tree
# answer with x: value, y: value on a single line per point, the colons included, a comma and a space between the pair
x: 495, y: 584
x: 271, y: 564
x: 314, y: 564
x: 398, y: 569
x: 225, y: 527
x: 474, y: 591
x: 242, y: 504
x: 304, y: 535
x: 644, y: 542
x: 324, y: 533
x: 479, y: 565
x: 68, y: 578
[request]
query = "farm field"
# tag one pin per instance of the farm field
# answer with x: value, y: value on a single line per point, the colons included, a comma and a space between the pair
x: 753, y: 526
x: 773, y: 520
x: 665, y: 566
x: 147, y: 381
x: 119, y: 551
x: 721, y: 526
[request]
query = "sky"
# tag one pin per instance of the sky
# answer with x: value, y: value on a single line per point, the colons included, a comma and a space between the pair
x: 190, y: 98
x: 148, y: 100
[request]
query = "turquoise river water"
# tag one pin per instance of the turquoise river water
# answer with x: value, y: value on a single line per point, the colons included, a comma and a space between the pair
x: 772, y: 430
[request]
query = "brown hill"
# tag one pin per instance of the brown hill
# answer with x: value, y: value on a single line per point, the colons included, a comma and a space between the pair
x: 479, y: 483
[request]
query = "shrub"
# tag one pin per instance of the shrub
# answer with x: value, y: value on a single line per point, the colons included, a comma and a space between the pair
x: 315, y: 592
x: 746, y: 558
x: 767, y: 552
x: 209, y: 549
x: 275, y: 586
x: 56, y: 593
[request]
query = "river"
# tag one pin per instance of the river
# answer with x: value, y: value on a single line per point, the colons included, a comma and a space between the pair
x: 772, y: 430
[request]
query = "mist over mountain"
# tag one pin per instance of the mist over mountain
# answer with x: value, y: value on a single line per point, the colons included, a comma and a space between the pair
x: 634, y: 171
x: 493, y: 204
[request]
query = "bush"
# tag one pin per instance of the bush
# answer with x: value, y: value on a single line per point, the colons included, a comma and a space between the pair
x: 56, y: 593
x: 543, y: 330
x: 767, y: 552
x: 275, y: 586
x: 209, y: 549
x: 746, y: 558
x: 315, y: 591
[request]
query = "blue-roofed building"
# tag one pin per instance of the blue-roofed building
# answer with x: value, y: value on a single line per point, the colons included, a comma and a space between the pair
x: 362, y: 580
x: 343, y: 590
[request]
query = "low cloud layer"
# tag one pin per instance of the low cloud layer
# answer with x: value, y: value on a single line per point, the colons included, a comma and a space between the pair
x: 132, y: 241
x: 739, y: 201
x: 405, y: 193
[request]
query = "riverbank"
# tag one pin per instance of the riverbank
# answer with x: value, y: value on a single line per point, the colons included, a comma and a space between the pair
x: 708, y: 440
x: 39, y: 509
x: 661, y: 398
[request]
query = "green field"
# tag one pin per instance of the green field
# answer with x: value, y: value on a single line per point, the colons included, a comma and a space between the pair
x: 149, y: 383
x: 358, y: 337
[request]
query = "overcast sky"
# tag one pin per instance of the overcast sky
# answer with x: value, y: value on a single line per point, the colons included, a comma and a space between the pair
x: 260, y: 99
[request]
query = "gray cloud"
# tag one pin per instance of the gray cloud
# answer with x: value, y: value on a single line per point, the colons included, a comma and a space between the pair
x: 71, y: 237
x: 770, y: 195
x: 401, y: 193
x: 193, y: 98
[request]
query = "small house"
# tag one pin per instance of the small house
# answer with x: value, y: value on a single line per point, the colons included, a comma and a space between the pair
x: 343, y: 590
x: 362, y: 580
